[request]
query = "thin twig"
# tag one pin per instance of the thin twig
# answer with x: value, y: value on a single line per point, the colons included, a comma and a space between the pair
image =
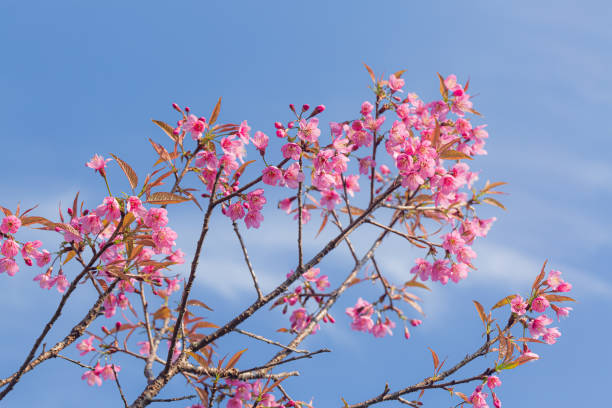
x: 273, y: 364
x: 187, y: 397
x: 258, y: 337
x: 247, y: 260
x: 119, y: 386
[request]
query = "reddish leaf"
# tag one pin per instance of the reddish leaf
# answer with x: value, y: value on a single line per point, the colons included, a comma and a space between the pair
x: 128, y: 171
x: 494, y: 202
x: 436, y: 360
x: 232, y: 361
x: 162, y: 313
x: 169, y: 130
x: 505, y: 301
x: 454, y: 155
x: 370, y: 72
x: 558, y: 298
x: 540, y: 276
x: 215, y: 113
x: 481, y: 312
x: 323, y: 223
x: 194, y: 302
x: 165, y: 198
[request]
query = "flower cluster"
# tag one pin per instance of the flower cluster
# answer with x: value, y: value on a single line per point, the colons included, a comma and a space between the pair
x: 29, y: 251
x: 95, y: 376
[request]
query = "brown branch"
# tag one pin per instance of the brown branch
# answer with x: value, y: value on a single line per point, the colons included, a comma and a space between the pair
x: 119, y: 386
x: 186, y: 397
x: 274, y: 364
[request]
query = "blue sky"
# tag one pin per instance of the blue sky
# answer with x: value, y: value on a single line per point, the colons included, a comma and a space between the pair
x: 78, y: 79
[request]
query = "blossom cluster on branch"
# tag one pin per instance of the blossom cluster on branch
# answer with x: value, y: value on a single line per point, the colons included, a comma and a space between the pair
x: 401, y: 158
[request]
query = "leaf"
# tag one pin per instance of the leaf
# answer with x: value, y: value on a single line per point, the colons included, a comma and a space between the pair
x: 443, y: 90
x: 522, y: 359
x: 454, y: 155
x: 540, y: 276
x: 240, y: 170
x: 370, y: 72
x: 70, y: 255
x: 215, y: 113
x: 505, y: 301
x: 494, y: 202
x: 414, y: 304
x: 493, y: 185
x: 6, y: 211
x: 354, y: 210
x: 481, y: 312
x: 36, y: 220
x: 161, y: 151
x: 529, y: 339
x: 204, y: 325
x: 323, y: 223
x: 66, y: 227
x: 558, y: 298
x: 162, y: 313
x: 74, y: 205
x: 232, y: 361
x: 415, y: 283
x: 195, y: 302
x: 399, y: 74
x: 463, y: 396
x: 129, y: 172
x: 198, y: 358
x: 436, y: 360
x: 165, y: 198
x: 169, y: 130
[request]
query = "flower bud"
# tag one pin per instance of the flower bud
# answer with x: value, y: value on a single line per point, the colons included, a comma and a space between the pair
x: 319, y: 109
x: 292, y: 107
x: 290, y: 125
x: 278, y: 125
x: 28, y: 261
x: 105, y: 330
x: 187, y: 109
x: 118, y: 325
x: 280, y: 133
x: 305, y: 107
x: 176, y: 107
x: 69, y: 211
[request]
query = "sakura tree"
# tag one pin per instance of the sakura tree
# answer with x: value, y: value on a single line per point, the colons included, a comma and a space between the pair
x: 399, y: 167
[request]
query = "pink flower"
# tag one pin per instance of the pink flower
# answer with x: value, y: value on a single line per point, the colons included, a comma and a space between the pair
x: 395, y: 83
x: 109, y: 209
x: 243, y: 132
x: 156, y: 218
x: 93, y: 376
x: 415, y: 322
x: 562, y: 312
x: 108, y: 372
x: 285, y: 205
x: 537, y: 326
x: 135, y: 206
x: 271, y: 175
x: 305, y: 216
x: 44, y: 280
x: 9, y: 266
x: 366, y: 108
x: 299, y: 319
x: 453, y: 242
x: 365, y: 164
x: 164, y: 240
x: 195, y: 126
x: 551, y: 335
x: 556, y: 283
x: 235, y: 211
x: 540, y: 304
x: 311, y: 274
x: 43, y: 258
x: 62, y: 283
x: 260, y: 140
x: 253, y: 219
x: 98, y: 163
x: 478, y: 398
x: 362, y: 323
x: 291, y: 151
x: 86, y: 346
x: 422, y: 269
x: 322, y: 283
x: 145, y: 348
x: 293, y: 176
x: 30, y: 249
x: 207, y: 160
x: 10, y: 224
x: 518, y: 305
x: 91, y: 223
x: 458, y: 271
x: 496, y: 401
x: 10, y: 248
x: 382, y: 329
x: 234, y: 403
x: 352, y: 184
x: 256, y: 199
x: 493, y: 381
x: 309, y: 131
x: 329, y: 199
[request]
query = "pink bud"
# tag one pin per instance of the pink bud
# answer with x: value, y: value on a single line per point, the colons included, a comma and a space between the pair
x: 331, y: 318
x: 69, y: 211
x: 305, y: 107
x: 406, y: 333
x: 85, y: 212
x: 280, y: 133
x: 176, y: 107
x: 320, y: 108
x: 28, y: 261
x: 278, y: 125
x: 187, y: 109
x: 292, y: 107
x: 105, y: 330
x: 118, y: 325
x: 290, y: 125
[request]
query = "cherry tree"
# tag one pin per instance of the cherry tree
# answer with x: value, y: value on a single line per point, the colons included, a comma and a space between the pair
x: 398, y: 167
